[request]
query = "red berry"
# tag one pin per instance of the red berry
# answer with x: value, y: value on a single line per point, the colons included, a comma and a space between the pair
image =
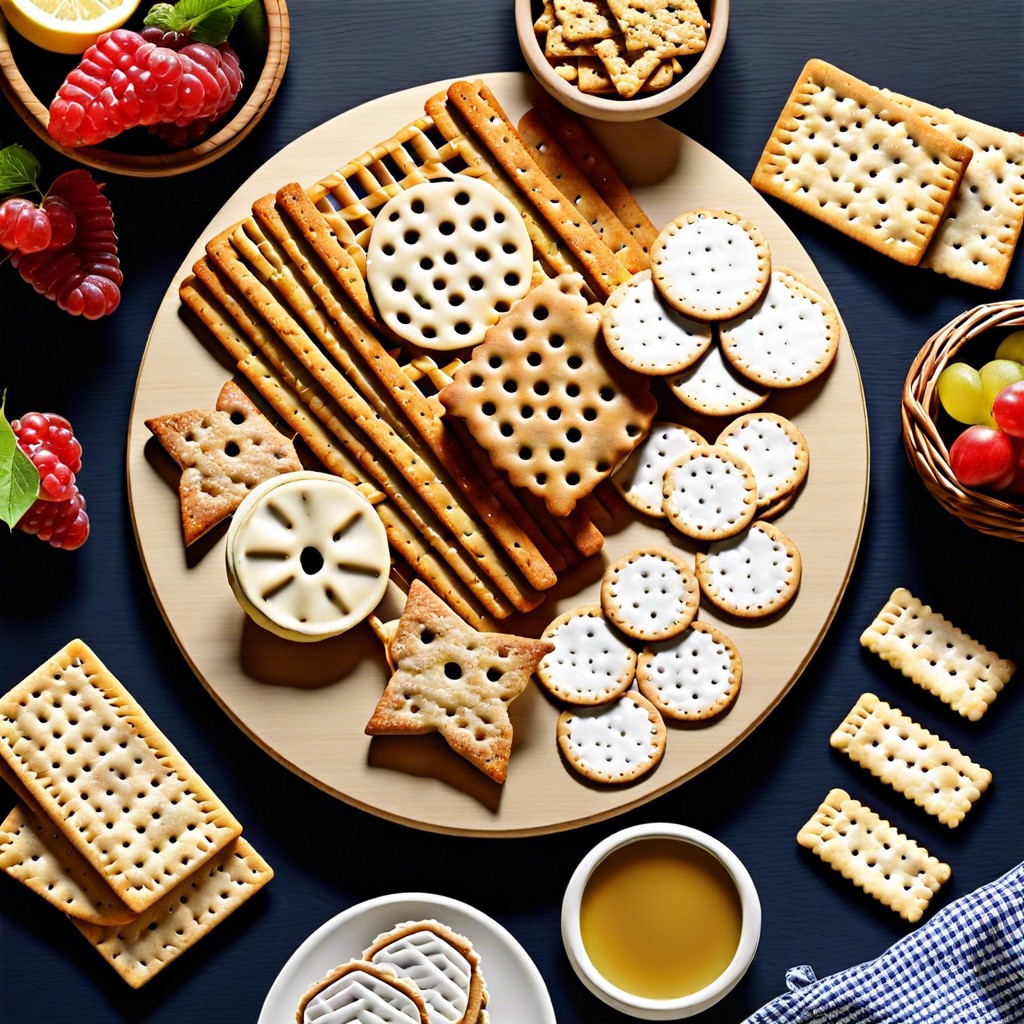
x: 48, y: 440
x: 62, y: 524
x: 84, y: 278
x: 24, y: 227
x: 63, y: 223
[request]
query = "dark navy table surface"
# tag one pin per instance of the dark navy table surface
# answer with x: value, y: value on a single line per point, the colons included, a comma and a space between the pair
x: 328, y: 856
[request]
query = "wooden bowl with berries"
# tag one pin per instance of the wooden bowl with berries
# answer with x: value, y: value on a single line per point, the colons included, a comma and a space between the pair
x: 963, y: 417
x: 186, y: 125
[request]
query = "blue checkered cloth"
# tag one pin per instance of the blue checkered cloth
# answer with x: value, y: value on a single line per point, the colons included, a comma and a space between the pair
x: 965, y: 966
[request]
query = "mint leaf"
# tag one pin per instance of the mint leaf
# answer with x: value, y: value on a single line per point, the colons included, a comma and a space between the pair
x: 19, y: 171
x: 19, y: 479
x: 206, y: 21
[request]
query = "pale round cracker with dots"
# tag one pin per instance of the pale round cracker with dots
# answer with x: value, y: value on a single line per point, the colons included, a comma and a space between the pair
x: 650, y: 594
x: 693, y: 676
x: 711, y: 264
x: 641, y: 477
x: 710, y: 493
x: 712, y: 386
x: 775, y: 449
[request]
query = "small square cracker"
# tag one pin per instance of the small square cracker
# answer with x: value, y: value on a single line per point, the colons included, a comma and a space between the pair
x: 669, y: 28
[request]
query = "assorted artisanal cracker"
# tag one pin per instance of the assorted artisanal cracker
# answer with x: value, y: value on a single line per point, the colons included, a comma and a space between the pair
x: 713, y: 387
x: 640, y: 479
x: 710, y: 493
x: 874, y: 855
x: 929, y: 650
x: 775, y: 449
x: 650, y: 594
x: 915, y: 762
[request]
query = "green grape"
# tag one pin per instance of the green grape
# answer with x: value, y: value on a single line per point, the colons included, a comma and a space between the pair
x: 996, y: 375
x: 959, y: 388
x: 1012, y: 347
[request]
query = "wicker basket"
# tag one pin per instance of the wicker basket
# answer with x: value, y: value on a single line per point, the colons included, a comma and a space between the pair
x: 926, y: 449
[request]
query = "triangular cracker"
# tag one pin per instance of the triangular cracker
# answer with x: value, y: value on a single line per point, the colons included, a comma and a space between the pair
x: 223, y: 453
x: 450, y: 678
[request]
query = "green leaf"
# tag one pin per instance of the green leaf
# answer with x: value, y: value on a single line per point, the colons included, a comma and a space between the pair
x: 19, y: 171
x: 19, y: 479
x: 207, y: 21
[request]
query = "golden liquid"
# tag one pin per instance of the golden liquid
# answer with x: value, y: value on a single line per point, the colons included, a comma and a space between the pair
x: 660, y: 918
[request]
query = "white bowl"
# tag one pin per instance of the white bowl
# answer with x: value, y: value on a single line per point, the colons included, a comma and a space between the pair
x: 639, y: 1006
x: 611, y: 108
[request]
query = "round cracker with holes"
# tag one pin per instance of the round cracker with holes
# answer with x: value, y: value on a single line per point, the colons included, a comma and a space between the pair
x: 445, y: 259
x: 614, y: 742
x: 751, y: 575
x: 774, y: 448
x: 713, y: 387
x: 650, y: 594
x: 710, y: 493
x: 641, y: 477
x: 693, y: 676
x: 710, y: 264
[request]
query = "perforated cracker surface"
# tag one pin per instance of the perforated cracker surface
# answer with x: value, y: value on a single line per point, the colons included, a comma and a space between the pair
x: 713, y: 386
x: 360, y: 992
x: 775, y: 449
x: 709, y: 493
x: 640, y: 478
x: 650, y: 594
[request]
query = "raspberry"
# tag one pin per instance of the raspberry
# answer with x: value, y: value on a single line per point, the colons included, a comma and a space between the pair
x: 84, y: 278
x: 62, y: 524
x: 24, y: 227
x: 124, y: 80
x: 48, y: 440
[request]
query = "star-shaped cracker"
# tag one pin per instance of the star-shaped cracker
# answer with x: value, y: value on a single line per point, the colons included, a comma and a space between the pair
x: 452, y: 679
x: 223, y: 454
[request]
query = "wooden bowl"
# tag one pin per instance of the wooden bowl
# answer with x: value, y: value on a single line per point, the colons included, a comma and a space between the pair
x: 986, y: 512
x: 30, y: 77
x: 613, y: 108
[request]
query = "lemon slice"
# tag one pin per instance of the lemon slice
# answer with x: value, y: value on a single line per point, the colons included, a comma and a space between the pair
x: 66, y: 26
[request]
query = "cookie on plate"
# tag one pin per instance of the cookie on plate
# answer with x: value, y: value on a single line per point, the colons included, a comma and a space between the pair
x: 640, y: 479
x: 775, y: 449
x: 650, y: 594
x: 360, y: 992
x: 713, y: 387
x: 709, y: 493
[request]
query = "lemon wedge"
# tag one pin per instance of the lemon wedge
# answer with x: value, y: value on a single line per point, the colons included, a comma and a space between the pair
x: 66, y: 26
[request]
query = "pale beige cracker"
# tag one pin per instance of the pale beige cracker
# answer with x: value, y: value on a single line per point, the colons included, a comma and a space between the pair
x: 585, y: 19
x: 628, y: 69
x: 593, y: 77
x: 714, y: 387
x: 35, y: 852
x: 451, y: 679
x: 544, y: 397
x: 557, y: 48
x: 615, y: 742
x: 775, y: 449
x: 929, y: 650
x: 710, y: 493
x: 754, y: 574
x: 853, y: 840
x: 648, y: 335
x: 589, y: 662
x: 788, y: 338
x: 711, y: 264
x: 94, y: 763
x: 670, y: 28
x: 977, y: 237
x: 640, y: 479
x: 650, y: 594
x: 358, y: 991
x: 141, y: 949
x: 546, y: 20
x: 223, y: 454
x: 441, y: 963
x: 915, y: 762
x: 861, y: 163
x: 693, y: 676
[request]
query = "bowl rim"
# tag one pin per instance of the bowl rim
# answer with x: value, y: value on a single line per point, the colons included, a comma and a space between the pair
x: 36, y: 116
x: 640, y: 1006
x: 611, y: 108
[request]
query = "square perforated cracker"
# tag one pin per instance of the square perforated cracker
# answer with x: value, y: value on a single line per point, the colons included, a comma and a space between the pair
x: 90, y: 759
x: 861, y: 163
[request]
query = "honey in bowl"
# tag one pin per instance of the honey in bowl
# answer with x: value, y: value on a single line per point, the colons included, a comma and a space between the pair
x: 660, y: 918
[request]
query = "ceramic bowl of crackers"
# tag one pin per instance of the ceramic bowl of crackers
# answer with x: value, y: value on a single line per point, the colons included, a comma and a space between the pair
x: 30, y: 78
x: 621, y: 61
x: 660, y: 921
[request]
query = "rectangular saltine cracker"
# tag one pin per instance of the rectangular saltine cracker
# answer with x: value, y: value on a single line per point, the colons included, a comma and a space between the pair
x: 92, y: 762
x: 932, y: 652
x: 861, y: 163
x: 976, y: 240
x: 915, y: 762
x: 855, y: 841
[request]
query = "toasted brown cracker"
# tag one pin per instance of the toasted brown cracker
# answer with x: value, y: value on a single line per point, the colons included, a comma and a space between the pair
x: 669, y: 28
x: 585, y: 19
x: 628, y: 69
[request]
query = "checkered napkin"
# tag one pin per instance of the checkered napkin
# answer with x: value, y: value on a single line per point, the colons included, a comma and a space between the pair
x: 965, y: 966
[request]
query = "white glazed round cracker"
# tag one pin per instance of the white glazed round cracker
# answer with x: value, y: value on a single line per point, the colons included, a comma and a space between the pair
x: 709, y: 493
x: 614, y: 742
x: 790, y: 337
x: 650, y: 594
x: 713, y: 386
x: 693, y: 676
x: 307, y: 556
x: 646, y: 334
x: 641, y: 477
x: 774, y: 448
x: 591, y: 663
x: 751, y: 575
x: 710, y: 264
x: 445, y: 259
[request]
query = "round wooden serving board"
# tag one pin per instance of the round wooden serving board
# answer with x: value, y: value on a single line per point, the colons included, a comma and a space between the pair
x: 307, y: 704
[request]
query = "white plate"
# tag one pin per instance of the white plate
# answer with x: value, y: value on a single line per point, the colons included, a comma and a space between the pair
x: 517, y: 991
